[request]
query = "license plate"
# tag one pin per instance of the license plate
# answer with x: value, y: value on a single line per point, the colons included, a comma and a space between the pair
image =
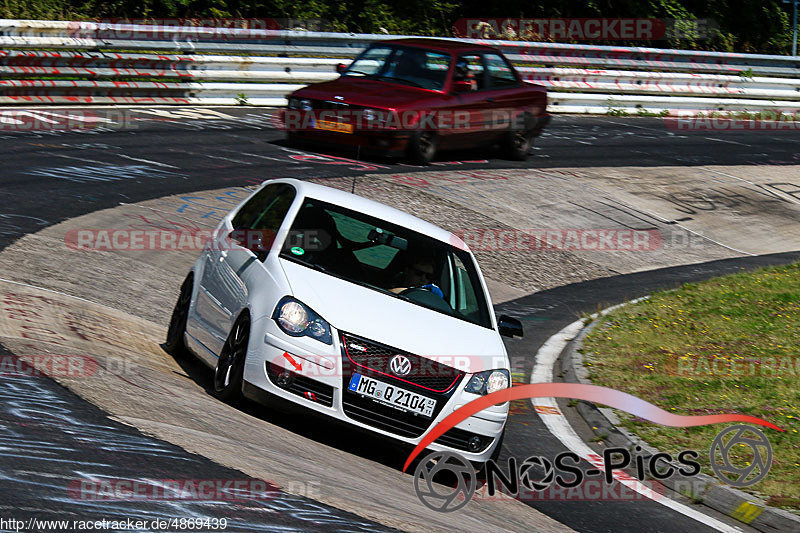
x: 390, y: 395
x: 329, y: 125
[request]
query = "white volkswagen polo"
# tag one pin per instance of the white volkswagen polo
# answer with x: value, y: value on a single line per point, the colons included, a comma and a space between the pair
x: 351, y: 308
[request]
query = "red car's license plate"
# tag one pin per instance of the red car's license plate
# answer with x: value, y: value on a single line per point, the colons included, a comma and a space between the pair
x: 329, y: 125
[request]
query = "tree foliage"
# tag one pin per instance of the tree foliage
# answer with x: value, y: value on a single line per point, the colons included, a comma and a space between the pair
x: 742, y: 25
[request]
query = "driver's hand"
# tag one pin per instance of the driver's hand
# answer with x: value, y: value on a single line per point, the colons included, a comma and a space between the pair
x: 434, y: 289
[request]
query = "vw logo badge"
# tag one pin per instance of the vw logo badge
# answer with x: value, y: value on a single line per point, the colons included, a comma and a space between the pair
x: 400, y: 365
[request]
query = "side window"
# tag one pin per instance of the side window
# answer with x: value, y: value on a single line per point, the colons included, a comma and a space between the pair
x: 370, y: 61
x: 470, y: 68
x: 461, y: 291
x: 500, y: 72
x: 418, y: 67
x: 265, y: 210
x: 261, y: 217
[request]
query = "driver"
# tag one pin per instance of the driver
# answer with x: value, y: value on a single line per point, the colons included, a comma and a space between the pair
x: 419, y: 274
x: 463, y: 73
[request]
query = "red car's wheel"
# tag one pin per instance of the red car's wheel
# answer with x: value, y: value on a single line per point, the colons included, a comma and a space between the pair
x: 422, y: 147
x: 518, y: 140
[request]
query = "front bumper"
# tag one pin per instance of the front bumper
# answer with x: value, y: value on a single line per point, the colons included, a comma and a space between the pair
x: 320, y: 384
x: 385, y: 141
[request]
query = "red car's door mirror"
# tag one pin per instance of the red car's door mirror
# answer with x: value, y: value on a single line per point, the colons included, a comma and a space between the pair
x: 341, y: 67
x: 462, y: 86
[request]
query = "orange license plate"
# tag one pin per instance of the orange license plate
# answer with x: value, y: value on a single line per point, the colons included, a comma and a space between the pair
x: 329, y: 125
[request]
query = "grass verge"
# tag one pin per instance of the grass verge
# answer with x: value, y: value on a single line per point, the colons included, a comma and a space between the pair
x: 728, y: 345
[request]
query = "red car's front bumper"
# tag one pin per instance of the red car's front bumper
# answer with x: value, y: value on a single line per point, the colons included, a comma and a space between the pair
x: 387, y: 141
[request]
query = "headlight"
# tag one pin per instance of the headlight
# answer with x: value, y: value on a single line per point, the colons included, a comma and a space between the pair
x: 488, y: 382
x: 298, y: 320
x: 305, y: 105
x: 370, y: 115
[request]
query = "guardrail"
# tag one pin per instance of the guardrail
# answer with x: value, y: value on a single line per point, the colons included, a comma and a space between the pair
x: 60, y: 62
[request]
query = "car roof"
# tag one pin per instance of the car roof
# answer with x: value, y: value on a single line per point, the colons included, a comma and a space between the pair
x: 372, y: 208
x: 441, y: 45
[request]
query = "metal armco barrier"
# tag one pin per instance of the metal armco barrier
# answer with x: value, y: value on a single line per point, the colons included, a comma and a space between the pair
x: 61, y: 62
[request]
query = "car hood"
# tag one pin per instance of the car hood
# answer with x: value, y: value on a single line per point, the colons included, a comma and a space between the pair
x: 364, y: 92
x: 387, y: 320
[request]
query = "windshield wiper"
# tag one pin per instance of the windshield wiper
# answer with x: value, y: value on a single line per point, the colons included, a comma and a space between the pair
x: 415, y: 84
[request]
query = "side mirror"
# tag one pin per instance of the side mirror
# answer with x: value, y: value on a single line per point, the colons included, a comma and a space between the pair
x: 509, y: 326
x: 341, y: 67
x: 462, y: 86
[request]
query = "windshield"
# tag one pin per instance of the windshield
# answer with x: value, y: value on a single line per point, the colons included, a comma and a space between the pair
x: 387, y: 258
x: 398, y: 64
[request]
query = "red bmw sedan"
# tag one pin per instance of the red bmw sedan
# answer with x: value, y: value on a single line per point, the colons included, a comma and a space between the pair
x: 415, y: 96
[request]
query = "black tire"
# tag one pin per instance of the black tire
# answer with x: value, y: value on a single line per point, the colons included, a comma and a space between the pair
x: 229, y: 371
x: 519, y: 140
x: 422, y: 147
x: 175, y: 343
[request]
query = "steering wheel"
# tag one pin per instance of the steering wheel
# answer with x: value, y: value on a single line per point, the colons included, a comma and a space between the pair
x: 428, y: 298
x: 412, y: 289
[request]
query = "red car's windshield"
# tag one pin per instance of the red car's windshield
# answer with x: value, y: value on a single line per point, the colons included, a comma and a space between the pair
x: 405, y: 65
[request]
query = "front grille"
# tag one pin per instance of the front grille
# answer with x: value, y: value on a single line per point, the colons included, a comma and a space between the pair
x: 459, y: 439
x: 426, y: 377
x: 322, y: 104
x: 336, y: 106
x: 387, y: 418
x: 310, y: 389
x: 360, y: 354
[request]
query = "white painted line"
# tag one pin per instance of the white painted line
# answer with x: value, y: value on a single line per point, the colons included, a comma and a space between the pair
x: 64, y: 156
x: 146, y: 161
x: 259, y: 156
x: 558, y: 425
x: 728, y: 141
